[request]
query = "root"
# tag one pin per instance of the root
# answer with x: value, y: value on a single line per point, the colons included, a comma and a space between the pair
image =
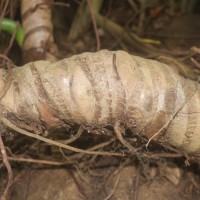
x: 9, y: 169
x: 7, y: 123
x: 74, y: 138
x: 37, y: 161
x: 98, y: 146
x: 113, y: 190
x: 122, y: 140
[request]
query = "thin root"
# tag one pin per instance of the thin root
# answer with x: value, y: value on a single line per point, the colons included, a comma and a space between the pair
x: 122, y: 140
x: 113, y: 190
x: 52, y: 142
x: 9, y: 169
x: 74, y: 138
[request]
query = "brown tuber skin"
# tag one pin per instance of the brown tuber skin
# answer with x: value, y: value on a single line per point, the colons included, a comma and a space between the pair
x: 103, y: 88
x: 38, y: 42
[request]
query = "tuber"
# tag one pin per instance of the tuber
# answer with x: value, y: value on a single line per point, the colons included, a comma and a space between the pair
x: 103, y: 89
x: 38, y: 39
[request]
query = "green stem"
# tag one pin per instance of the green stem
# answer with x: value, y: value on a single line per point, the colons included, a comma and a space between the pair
x: 9, y: 26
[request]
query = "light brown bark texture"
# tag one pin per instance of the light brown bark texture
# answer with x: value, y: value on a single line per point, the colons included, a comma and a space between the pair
x: 100, y: 89
x: 38, y: 41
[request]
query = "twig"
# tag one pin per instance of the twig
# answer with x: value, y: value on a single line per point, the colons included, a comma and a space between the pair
x: 128, y: 37
x: 52, y: 142
x: 9, y: 170
x: 142, y: 15
x: 3, y: 12
x: 134, y: 6
x: 94, y: 24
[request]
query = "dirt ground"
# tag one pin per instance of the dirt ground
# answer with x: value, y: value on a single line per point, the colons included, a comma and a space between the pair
x: 101, y: 177
x: 110, y: 182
